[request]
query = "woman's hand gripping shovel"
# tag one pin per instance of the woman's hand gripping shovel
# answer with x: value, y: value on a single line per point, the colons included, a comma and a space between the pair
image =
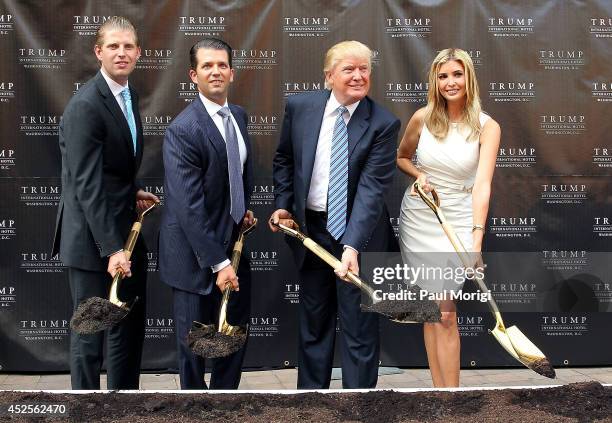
x: 214, y: 341
x: 512, y: 339
x: 96, y: 314
x: 397, y: 311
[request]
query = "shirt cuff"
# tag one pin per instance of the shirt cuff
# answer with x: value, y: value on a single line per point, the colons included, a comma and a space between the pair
x: 348, y: 246
x: 112, y: 254
x: 220, y: 266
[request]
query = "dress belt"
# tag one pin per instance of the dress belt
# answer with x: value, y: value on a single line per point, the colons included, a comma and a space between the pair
x: 314, y: 213
x: 451, y: 186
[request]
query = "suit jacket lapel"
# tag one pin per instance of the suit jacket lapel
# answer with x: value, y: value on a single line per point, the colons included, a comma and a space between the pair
x: 358, y: 124
x: 210, y: 129
x: 113, y: 107
x: 312, y: 126
x: 139, y: 133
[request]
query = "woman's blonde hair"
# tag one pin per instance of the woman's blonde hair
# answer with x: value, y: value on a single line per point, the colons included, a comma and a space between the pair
x: 436, y: 115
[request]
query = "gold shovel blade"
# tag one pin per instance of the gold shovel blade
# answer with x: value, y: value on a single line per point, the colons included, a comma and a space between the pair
x: 502, y: 337
x: 523, y: 350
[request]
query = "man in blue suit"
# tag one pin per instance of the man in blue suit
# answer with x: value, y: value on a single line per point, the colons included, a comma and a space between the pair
x: 208, y: 173
x: 333, y: 164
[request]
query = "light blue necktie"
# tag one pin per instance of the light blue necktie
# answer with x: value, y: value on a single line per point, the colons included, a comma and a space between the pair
x: 234, y: 166
x: 129, y: 114
x: 338, y: 178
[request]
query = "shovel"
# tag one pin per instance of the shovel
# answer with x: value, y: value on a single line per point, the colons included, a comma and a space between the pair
x: 397, y: 311
x: 96, y: 314
x: 212, y: 341
x: 512, y: 339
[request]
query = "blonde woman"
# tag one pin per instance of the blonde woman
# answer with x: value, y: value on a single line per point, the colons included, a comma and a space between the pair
x: 456, y: 146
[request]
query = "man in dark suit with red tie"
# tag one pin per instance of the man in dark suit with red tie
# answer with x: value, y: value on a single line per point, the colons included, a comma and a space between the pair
x: 333, y: 164
x: 208, y: 180
x: 101, y: 144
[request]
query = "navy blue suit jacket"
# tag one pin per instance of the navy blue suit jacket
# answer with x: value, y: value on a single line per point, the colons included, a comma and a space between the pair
x: 196, y: 228
x: 372, y: 132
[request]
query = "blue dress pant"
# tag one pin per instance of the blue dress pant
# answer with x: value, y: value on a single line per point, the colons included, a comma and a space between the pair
x: 189, y: 306
x: 325, y: 300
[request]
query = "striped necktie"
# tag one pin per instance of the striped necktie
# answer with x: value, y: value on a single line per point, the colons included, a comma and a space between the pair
x: 234, y: 166
x: 338, y: 178
x: 129, y: 114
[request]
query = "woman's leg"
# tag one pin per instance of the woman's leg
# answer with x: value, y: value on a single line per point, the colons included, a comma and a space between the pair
x: 448, y: 344
x: 429, y: 336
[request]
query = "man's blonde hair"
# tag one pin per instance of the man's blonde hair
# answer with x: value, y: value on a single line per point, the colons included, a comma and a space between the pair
x: 115, y: 23
x: 343, y: 50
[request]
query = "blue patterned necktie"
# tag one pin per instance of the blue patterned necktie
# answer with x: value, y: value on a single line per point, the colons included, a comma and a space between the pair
x: 234, y: 166
x: 338, y: 178
x: 129, y: 114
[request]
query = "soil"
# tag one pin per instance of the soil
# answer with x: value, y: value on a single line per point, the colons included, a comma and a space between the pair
x: 207, y: 342
x: 96, y: 314
x: 543, y: 367
x: 579, y: 402
x: 407, y: 311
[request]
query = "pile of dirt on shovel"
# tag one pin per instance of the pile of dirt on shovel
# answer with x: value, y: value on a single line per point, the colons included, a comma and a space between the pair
x: 579, y: 402
x: 213, y: 344
x: 407, y: 311
x: 417, y: 310
x: 96, y: 314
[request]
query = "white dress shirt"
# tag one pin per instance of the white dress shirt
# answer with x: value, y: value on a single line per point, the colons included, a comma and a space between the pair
x: 317, y: 195
x: 212, y: 109
x: 319, y: 183
x: 116, y: 89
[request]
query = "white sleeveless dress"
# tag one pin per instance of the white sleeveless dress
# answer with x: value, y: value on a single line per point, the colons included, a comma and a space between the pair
x: 451, y: 166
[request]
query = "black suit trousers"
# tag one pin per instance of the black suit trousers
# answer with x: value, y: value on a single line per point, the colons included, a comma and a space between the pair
x: 322, y: 298
x: 124, y: 340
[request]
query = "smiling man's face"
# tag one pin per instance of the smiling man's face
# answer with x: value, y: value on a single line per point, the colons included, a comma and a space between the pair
x: 118, y: 54
x: 350, y: 79
x: 213, y: 74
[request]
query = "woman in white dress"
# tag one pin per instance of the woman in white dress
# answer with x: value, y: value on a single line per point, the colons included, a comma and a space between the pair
x: 456, y: 147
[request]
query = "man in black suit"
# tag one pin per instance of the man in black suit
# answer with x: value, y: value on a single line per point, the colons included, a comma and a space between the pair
x: 101, y: 144
x: 208, y: 180
x: 333, y: 164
